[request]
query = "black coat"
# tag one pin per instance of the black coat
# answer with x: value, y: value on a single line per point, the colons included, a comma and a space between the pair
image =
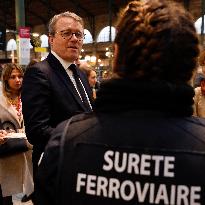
x: 139, y: 152
x: 48, y: 98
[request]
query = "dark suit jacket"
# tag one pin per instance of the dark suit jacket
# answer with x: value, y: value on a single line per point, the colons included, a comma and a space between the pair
x: 48, y: 98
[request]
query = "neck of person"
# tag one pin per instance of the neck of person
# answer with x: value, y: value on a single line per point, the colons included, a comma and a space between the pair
x: 64, y: 62
x: 14, y: 94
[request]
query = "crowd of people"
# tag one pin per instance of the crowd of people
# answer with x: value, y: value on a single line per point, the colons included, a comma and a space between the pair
x: 139, y: 140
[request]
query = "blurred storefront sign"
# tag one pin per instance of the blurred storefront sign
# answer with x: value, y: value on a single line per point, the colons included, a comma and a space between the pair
x: 24, y: 45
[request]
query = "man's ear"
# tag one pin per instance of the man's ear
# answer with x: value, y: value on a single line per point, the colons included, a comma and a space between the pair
x: 50, y: 40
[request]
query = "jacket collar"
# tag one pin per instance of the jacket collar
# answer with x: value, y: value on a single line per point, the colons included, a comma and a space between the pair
x: 126, y: 94
x: 64, y: 63
x: 10, y: 110
x: 63, y: 76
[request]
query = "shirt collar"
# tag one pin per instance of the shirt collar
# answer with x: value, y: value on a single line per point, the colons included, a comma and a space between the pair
x: 64, y: 63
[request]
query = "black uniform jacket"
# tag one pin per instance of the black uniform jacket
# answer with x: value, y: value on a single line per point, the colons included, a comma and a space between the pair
x: 139, y: 152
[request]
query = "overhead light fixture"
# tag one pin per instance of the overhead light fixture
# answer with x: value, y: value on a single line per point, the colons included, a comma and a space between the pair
x: 35, y: 34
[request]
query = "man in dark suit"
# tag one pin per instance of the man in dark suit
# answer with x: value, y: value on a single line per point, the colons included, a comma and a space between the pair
x: 51, y: 92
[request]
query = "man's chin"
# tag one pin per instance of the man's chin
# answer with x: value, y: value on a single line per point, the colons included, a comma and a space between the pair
x: 70, y: 58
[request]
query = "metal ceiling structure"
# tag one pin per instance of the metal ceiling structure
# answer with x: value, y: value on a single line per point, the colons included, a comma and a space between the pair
x: 39, y: 11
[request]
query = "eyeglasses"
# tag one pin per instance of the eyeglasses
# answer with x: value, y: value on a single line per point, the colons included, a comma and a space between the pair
x: 67, y: 34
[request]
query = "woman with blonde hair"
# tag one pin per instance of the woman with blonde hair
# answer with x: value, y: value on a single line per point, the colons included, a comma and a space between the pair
x: 15, y: 170
x: 12, y: 76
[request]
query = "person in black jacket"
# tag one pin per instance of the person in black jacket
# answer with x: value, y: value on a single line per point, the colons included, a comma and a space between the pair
x: 142, y: 145
x: 51, y: 88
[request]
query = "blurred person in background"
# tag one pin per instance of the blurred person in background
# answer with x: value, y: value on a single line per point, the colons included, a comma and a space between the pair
x: 199, y: 98
x: 91, y: 75
x: 200, y: 71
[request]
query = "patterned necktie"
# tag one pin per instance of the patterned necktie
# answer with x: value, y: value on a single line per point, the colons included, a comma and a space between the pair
x: 80, y: 88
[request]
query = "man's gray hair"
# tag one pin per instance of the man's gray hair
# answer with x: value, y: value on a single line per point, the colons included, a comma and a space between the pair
x: 52, y: 22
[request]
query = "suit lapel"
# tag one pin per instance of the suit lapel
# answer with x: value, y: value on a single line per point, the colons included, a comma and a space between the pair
x: 63, y: 76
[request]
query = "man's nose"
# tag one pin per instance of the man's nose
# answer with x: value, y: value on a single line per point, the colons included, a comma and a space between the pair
x: 73, y: 37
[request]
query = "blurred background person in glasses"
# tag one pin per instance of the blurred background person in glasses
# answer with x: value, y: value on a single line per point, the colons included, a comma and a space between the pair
x: 55, y: 89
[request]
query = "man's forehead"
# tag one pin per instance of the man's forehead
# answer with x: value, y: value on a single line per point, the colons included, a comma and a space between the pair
x: 71, y: 20
x: 68, y: 23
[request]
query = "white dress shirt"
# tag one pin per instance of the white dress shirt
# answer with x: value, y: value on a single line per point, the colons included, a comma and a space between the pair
x: 66, y: 65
